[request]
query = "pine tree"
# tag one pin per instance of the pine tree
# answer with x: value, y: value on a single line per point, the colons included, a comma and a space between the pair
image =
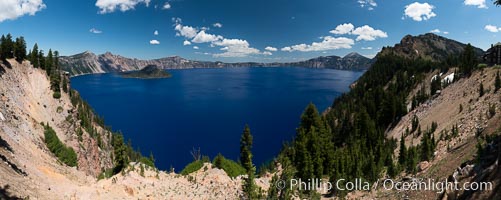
x: 412, y: 159
x: 497, y: 83
x: 316, y: 152
x: 310, y: 118
x: 34, y: 56
x: 393, y: 169
x: 64, y: 84
x: 10, y: 46
x: 249, y: 186
x: 6, y: 47
x: 49, y: 62
x: 402, y: 157
x: 56, y: 60
x: 120, y: 153
x: 468, y: 60
x: 303, y: 159
x: 41, y: 59
x: 20, y: 49
x: 218, y: 161
x: 425, y: 147
x: 245, y: 149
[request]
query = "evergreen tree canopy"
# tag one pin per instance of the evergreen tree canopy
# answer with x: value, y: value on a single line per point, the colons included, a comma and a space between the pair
x: 403, y: 151
x: 249, y: 186
x: 245, y: 149
x: 34, y: 56
x: 7, y: 47
x: 120, y: 158
x: 49, y: 62
x: 468, y: 60
x: 20, y: 49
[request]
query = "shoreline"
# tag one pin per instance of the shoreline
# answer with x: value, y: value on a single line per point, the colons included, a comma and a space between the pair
x: 72, y: 76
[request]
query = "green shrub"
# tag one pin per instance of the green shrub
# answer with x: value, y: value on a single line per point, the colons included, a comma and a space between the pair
x: 60, y: 109
x: 147, y: 161
x: 232, y: 168
x: 56, y: 95
x: 105, y: 174
x: 65, y: 154
x: 192, y: 167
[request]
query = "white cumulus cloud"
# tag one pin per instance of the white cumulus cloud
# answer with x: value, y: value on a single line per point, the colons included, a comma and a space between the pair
x: 478, y: 3
x: 367, y: 48
x: 343, y: 29
x: 185, y: 31
x: 12, y: 9
x: 229, y: 47
x: 166, y: 6
x: 419, y: 11
x: 368, y: 33
x: 96, y: 31
x: 268, y: 48
x: 155, y: 33
x: 203, y: 37
x: 217, y: 25
x: 195, y: 47
x: 235, y: 48
x: 364, y: 32
x: 109, y: 6
x: 492, y: 28
x: 154, y: 42
x: 328, y: 43
x: 435, y: 31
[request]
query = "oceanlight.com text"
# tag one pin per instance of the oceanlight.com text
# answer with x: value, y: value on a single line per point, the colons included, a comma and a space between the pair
x: 386, y: 184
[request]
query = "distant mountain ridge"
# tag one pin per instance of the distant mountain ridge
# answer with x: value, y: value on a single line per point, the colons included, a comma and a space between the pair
x: 89, y: 63
x: 352, y: 61
x: 428, y: 46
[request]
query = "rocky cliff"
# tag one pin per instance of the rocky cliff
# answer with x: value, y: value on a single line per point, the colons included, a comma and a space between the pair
x: 428, y: 46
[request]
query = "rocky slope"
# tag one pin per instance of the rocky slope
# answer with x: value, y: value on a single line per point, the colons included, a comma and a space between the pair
x: 88, y: 62
x: 455, y: 157
x: 428, y: 46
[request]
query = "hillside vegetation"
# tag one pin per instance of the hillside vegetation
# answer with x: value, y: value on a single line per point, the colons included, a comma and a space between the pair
x: 351, y: 141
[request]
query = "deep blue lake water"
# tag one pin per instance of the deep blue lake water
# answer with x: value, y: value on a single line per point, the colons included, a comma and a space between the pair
x: 208, y: 108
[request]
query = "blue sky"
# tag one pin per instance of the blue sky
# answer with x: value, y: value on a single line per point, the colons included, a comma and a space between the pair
x: 238, y: 30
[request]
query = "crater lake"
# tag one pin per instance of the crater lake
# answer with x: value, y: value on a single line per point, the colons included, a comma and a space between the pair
x: 208, y: 108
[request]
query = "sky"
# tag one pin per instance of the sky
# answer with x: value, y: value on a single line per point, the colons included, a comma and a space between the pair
x: 242, y: 30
